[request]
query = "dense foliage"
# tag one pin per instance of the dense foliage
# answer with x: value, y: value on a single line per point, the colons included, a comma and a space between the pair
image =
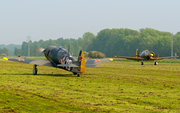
x: 4, y: 51
x: 126, y: 41
x: 75, y: 44
x: 112, y: 42
x: 17, y: 51
x: 9, y: 49
x: 96, y: 54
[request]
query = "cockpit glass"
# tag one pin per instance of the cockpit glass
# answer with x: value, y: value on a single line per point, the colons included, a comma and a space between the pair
x: 145, y: 51
x: 58, y: 48
x: 63, y: 51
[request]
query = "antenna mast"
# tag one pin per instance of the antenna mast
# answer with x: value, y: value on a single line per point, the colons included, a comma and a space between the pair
x: 172, y: 45
x: 28, y: 41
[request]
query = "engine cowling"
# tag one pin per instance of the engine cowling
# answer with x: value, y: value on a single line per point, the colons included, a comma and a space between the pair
x: 151, y: 55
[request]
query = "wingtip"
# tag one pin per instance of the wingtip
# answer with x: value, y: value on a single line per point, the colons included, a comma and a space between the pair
x: 111, y: 59
x: 5, y: 58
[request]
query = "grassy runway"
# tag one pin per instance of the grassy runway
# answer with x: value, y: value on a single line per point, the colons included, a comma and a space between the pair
x: 118, y: 86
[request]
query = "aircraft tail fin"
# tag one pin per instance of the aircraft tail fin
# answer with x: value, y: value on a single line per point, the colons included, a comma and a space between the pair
x: 82, y: 62
x: 137, y: 53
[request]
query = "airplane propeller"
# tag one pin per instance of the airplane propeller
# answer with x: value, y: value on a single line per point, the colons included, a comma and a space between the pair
x: 68, y: 50
x: 68, y: 57
x: 40, y: 50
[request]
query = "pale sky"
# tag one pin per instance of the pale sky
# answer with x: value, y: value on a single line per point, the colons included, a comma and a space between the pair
x: 52, y: 19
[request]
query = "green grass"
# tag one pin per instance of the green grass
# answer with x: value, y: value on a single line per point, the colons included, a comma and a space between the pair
x: 116, y: 87
x: 159, y: 61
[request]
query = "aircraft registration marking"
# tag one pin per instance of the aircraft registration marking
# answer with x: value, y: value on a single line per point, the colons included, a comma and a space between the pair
x: 62, y: 61
x: 80, y: 58
x: 97, y: 59
x: 21, y: 59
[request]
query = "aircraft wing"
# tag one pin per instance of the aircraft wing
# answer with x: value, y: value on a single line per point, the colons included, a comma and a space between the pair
x: 139, y: 58
x: 31, y: 61
x: 160, y: 58
x: 91, y: 62
x: 130, y: 58
x: 44, y: 62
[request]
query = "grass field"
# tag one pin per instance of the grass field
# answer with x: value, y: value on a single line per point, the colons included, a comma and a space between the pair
x: 118, y: 86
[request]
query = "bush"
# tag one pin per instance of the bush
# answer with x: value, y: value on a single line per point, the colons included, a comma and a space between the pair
x: 96, y: 54
x: 4, y: 55
x: 86, y: 53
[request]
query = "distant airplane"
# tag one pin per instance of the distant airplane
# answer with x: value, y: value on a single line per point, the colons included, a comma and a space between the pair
x: 144, y: 56
x: 61, y: 58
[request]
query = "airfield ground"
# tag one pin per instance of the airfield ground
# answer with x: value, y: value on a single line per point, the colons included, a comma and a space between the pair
x: 118, y: 86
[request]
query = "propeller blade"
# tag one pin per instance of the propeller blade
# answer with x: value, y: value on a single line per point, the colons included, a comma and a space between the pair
x: 68, y: 50
x: 40, y: 49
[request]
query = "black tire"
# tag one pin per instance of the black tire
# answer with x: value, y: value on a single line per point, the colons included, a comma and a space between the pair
x: 35, y: 70
x: 78, y: 75
x: 74, y: 73
x: 155, y: 63
x: 142, y: 63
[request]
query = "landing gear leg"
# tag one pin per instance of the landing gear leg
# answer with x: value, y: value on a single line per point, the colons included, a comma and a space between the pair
x: 142, y: 62
x: 35, y: 69
x: 78, y: 75
x: 155, y: 63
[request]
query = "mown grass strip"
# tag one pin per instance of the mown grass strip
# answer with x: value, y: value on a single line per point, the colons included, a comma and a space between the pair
x: 115, y: 87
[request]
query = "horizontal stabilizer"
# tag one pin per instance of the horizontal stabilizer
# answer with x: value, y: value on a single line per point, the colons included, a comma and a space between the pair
x: 92, y: 65
x: 92, y: 61
x: 67, y: 65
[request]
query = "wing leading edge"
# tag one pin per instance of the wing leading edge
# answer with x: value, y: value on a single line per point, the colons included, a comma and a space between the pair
x: 141, y: 58
x: 31, y: 61
x: 130, y: 58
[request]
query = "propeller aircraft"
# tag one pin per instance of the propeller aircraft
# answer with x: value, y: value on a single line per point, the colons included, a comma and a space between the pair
x: 144, y: 56
x: 59, y: 57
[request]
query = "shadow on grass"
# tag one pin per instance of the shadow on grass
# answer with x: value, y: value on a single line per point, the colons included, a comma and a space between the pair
x: 53, y: 75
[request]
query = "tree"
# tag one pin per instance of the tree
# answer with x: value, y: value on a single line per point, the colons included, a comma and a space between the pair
x: 4, y: 51
x: 87, y: 39
x: 17, y: 51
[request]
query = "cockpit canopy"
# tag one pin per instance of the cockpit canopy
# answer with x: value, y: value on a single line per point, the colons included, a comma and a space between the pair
x: 148, y: 54
x: 144, y: 52
x: 62, y: 50
x: 58, y: 48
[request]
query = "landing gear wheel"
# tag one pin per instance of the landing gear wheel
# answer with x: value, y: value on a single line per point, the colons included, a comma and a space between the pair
x: 78, y: 75
x: 142, y: 63
x: 35, y: 69
x: 155, y: 63
x: 74, y: 73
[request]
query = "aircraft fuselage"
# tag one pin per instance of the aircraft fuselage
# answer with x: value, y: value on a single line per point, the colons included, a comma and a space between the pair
x: 147, y: 54
x: 58, y: 55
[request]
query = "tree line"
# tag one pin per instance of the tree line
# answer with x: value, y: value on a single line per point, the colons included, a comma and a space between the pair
x: 124, y: 42
x: 4, y: 52
x: 120, y: 42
